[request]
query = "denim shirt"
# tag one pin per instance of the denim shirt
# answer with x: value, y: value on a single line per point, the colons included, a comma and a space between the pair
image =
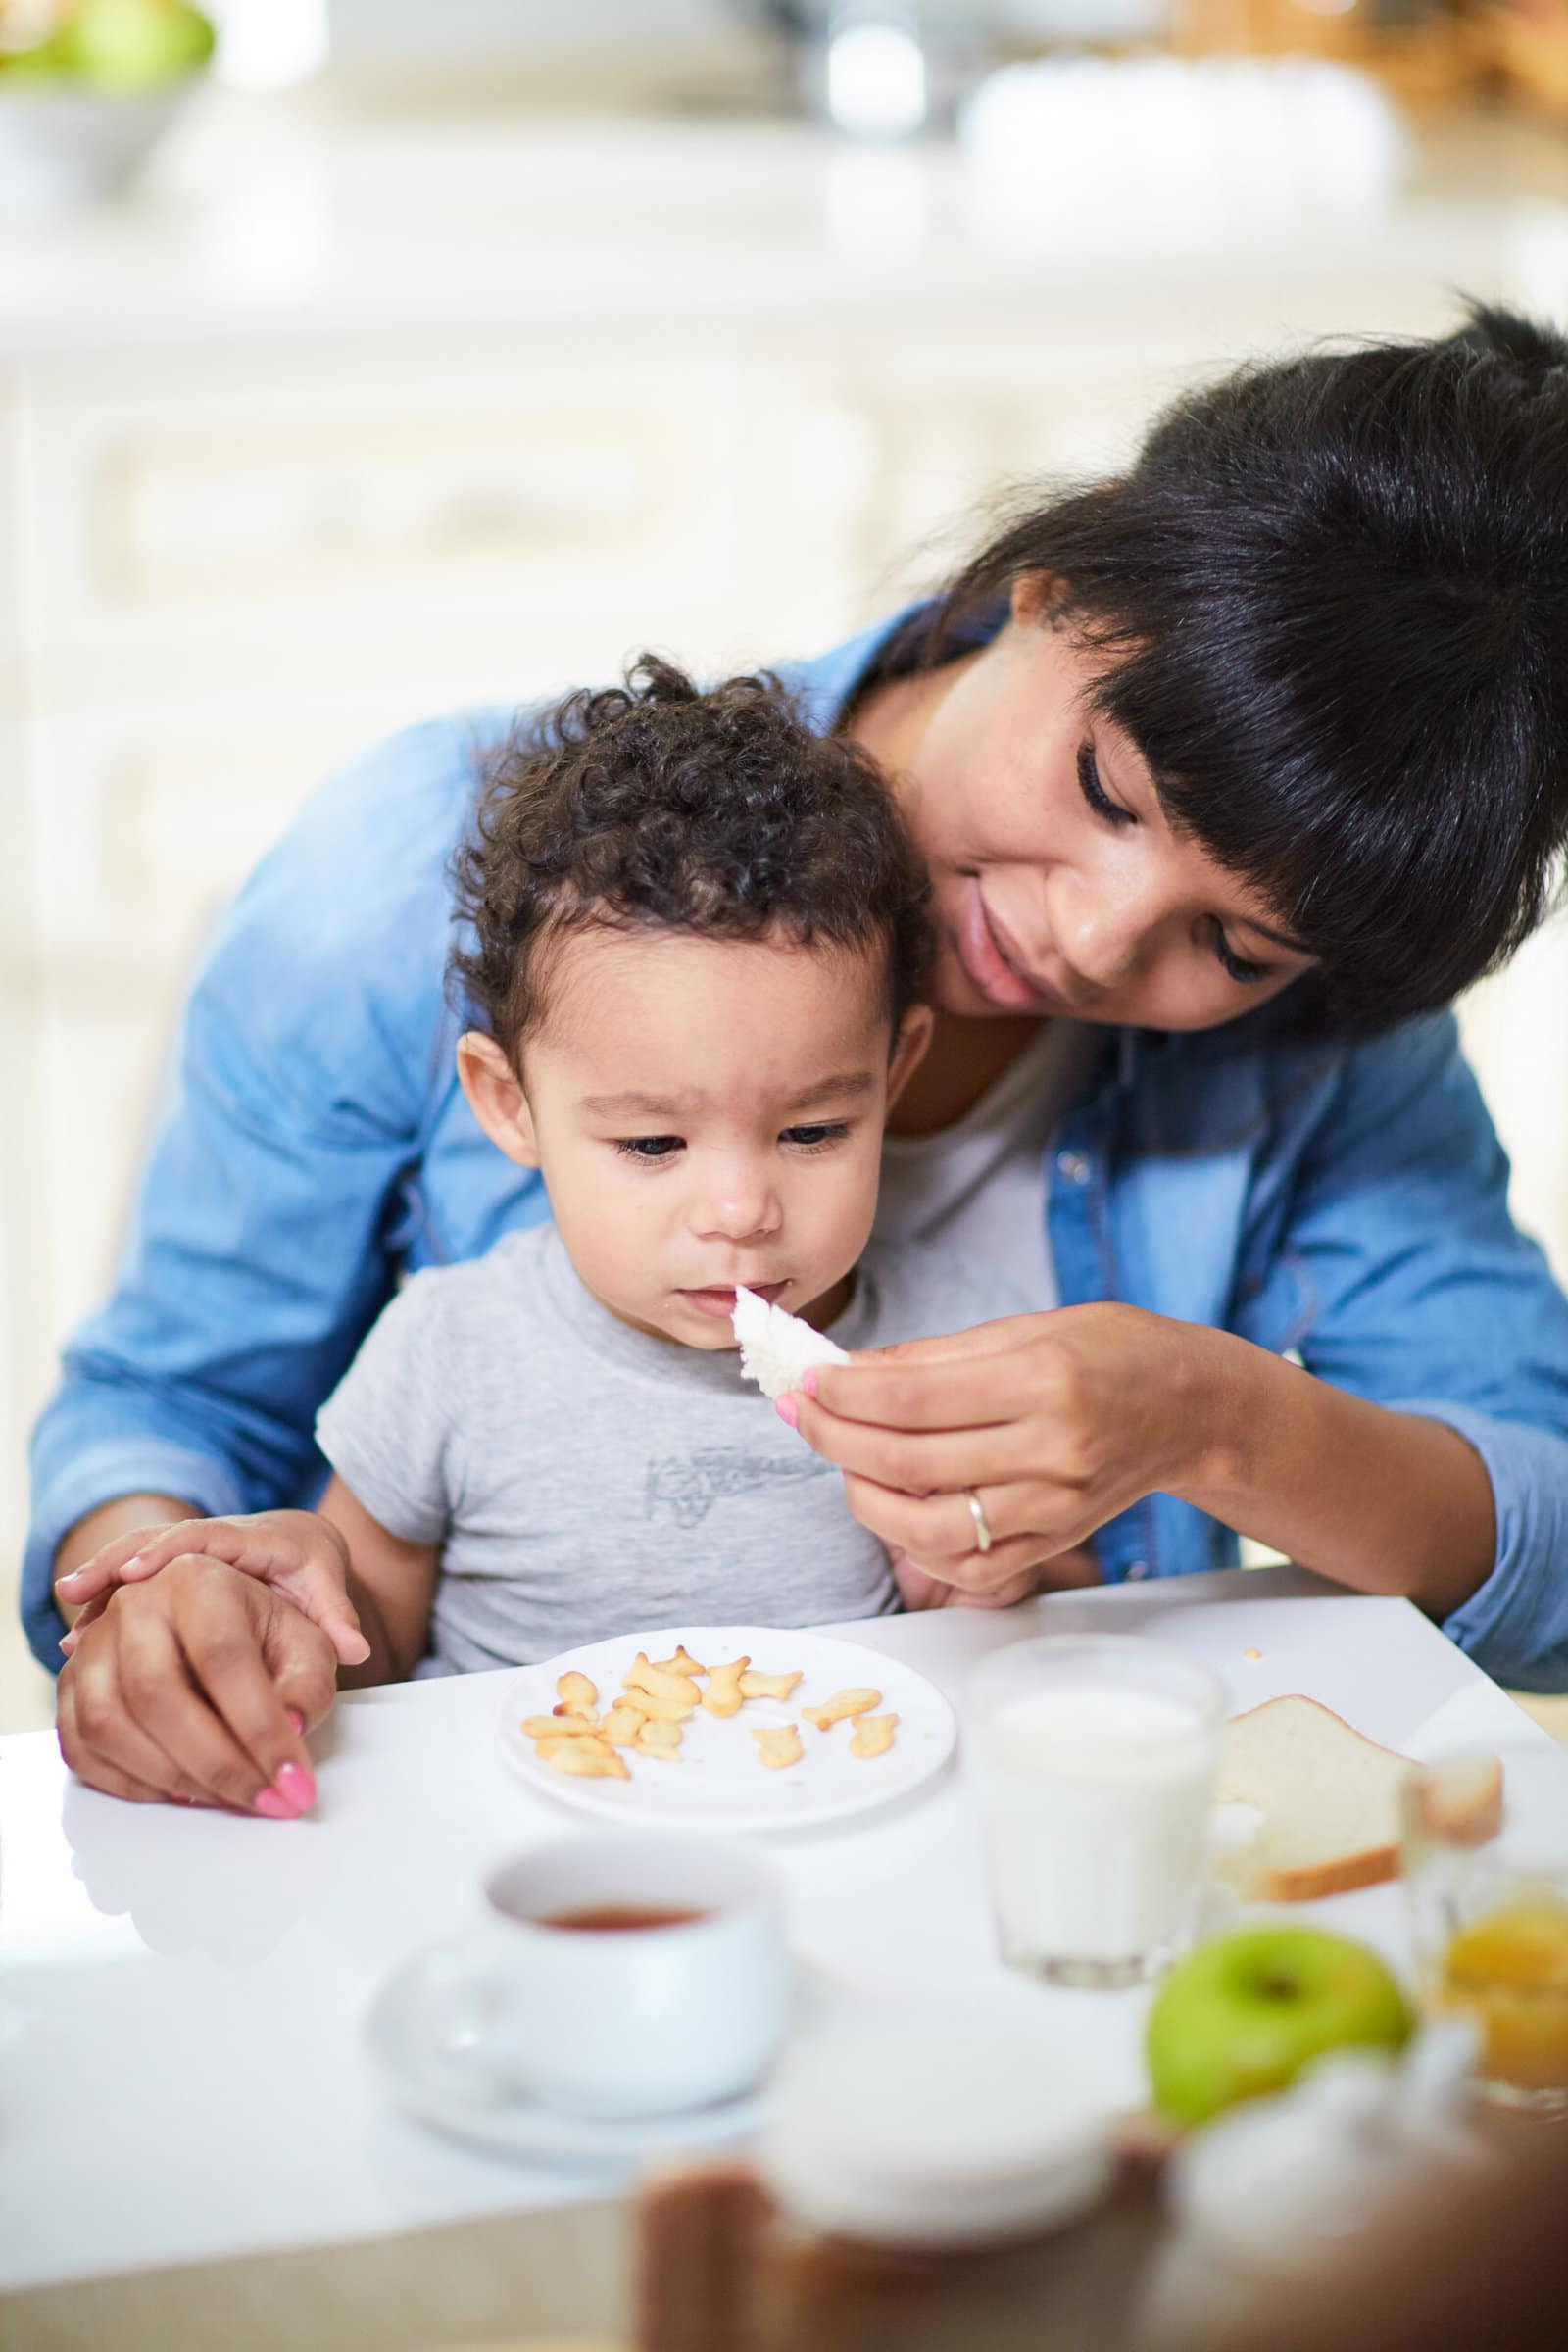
x: 1343, y: 1200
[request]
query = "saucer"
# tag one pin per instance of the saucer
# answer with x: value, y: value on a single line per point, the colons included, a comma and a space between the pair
x: 430, y: 2083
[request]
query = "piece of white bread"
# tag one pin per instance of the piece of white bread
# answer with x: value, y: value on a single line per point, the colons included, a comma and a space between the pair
x: 777, y: 1347
x: 1330, y: 1801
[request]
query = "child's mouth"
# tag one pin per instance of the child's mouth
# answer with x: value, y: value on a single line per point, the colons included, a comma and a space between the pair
x: 720, y: 1304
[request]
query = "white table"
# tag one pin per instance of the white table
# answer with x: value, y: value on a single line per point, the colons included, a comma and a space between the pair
x: 182, y: 2069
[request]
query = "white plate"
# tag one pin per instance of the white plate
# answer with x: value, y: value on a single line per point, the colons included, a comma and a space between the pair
x: 719, y: 1781
x: 437, y: 2086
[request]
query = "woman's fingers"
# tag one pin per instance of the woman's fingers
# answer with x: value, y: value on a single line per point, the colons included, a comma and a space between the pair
x: 947, y: 1383
x: 959, y: 1584
x: 105, y: 1745
x: 921, y: 1461
x: 1027, y: 1524
x: 917, y: 1588
x: 163, y: 1704
x: 186, y: 1685
x: 231, y: 1733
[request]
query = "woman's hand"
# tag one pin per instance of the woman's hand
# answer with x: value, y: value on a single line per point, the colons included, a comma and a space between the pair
x: 197, y: 1686
x: 919, y: 1591
x: 298, y: 1553
x: 1055, y: 1422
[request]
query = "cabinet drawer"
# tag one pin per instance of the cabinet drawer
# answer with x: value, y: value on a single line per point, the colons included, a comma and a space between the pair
x: 362, y: 523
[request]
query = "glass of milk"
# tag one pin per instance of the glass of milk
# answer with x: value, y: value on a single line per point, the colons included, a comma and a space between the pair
x: 1095, y: 1758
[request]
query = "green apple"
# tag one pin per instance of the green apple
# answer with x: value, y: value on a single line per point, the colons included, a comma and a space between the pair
x: 125, y: 46
x: 1244, y: 2013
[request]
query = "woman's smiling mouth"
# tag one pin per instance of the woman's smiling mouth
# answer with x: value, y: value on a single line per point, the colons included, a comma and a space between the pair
x: 989, y: 962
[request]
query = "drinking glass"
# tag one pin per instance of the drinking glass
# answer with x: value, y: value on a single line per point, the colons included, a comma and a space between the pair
x: 1094, y: 1759
x: 1486, y: 1892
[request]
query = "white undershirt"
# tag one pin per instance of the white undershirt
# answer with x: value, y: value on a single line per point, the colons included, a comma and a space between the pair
x: 979, y: 1185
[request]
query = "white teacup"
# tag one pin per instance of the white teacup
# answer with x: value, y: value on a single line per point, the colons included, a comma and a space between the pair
x: 613, y: 1976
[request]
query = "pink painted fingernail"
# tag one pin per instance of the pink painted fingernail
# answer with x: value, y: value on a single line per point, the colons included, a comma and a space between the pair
x: 297, y: 1786
x: 787, y: 1410
x: 295, y: 1718
x: 275, y: 1807
x: 176, y: 1798
x: 808, y: 1380
x: 75, y: 1578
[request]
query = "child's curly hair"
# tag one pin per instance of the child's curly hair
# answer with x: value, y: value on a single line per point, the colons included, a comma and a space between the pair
x: 656, y: 804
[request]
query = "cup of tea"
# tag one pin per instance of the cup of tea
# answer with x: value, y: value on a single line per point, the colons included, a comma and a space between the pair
x: 610, y: 1975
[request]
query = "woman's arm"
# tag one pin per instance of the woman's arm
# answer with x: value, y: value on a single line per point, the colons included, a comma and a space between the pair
x: 257, y: 1256
x: 1382, y: 1501
x: 1422, y: 1451
x: 1059, y: 1421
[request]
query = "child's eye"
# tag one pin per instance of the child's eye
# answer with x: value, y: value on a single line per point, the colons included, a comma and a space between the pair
x: 817, y: 1137
x: 650, y: 1148
x: 1249, y: 974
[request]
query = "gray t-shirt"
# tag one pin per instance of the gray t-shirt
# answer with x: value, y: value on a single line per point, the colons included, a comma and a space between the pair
x: 584, y: 1479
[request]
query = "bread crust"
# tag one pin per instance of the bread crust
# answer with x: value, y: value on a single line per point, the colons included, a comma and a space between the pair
x: 1342, y: 1875
x: 1466, y: 1816
x: 1299, y: 1698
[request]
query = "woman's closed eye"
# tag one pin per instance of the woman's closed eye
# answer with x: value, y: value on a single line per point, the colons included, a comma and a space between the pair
x: 1095, y: 792
x: 1238, y: 966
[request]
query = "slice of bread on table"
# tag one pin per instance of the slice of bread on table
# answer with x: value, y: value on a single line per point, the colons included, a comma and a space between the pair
x: 1330, y: 1801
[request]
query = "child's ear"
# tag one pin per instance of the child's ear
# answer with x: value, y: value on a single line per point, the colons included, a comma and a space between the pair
x: 496, y: 1097
x: 914, y: 1034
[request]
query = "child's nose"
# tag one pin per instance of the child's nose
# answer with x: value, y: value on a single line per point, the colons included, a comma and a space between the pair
x: 738, y: 1205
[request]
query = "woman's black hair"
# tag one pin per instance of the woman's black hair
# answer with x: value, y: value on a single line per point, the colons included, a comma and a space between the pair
x: 1333, y: 597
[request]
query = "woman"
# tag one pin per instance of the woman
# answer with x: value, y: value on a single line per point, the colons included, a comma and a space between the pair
x: 1228, y: 775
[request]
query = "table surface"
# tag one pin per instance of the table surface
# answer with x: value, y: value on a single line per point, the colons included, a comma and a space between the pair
x: 183, y: 2070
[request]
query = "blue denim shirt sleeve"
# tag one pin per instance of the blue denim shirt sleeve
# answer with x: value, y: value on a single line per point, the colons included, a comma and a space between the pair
x: 265, y: 1238
x: 1402, y: 1278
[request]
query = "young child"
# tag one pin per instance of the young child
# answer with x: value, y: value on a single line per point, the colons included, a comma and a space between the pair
x: 694, y: 936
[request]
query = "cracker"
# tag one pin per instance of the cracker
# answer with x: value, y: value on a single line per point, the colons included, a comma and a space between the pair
x: 663, y: 1710
x: 768, y: 1686
x: 841, y: 1706
x: 872, y: 1735
x: 779, y: 1747
x: 654, y: 1682
x: 561, y: 1726
x: 577, y: 1694
x: 661, y: 1739
x: 723, y: 1694
x: 583, y: 1759
x: 681, y: 1663
x: 622, y: 1725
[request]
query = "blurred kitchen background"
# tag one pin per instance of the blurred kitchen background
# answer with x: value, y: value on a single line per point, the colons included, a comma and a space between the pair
x: 363, y: 358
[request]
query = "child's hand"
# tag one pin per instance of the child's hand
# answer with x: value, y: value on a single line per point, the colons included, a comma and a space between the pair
x: 298, y: 1553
